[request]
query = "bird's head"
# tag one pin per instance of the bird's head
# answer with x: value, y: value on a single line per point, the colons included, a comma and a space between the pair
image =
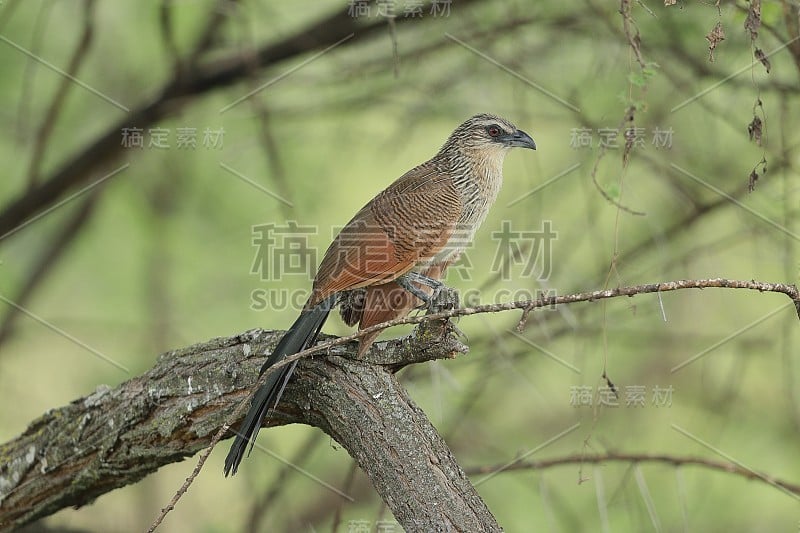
x: 488, y: 135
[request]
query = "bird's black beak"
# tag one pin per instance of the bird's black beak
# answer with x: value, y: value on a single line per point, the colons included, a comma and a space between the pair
x: 519, y: 139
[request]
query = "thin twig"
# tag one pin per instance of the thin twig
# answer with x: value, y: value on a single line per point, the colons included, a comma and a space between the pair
x: 30, y: 69
x: 278, y: 486
x: 200, y: 462
x: 348, y: 484
x: 57, y: 104
x: 790, y: 290
x: 602, y: 152
x: 221, y: 10
x: 169, y: 98
x: 50, y: 254
x: 722, y: 466
x: 628, y: 25
x: 167, y: 27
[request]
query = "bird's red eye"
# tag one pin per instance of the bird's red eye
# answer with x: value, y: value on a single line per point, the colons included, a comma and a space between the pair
x: 493, y: 130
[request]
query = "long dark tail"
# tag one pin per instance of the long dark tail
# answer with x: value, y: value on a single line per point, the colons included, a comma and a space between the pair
x: 300, y: 336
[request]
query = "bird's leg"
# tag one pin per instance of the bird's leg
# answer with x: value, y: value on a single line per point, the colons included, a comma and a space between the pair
x: 443, y: 297
x: 405, y: 282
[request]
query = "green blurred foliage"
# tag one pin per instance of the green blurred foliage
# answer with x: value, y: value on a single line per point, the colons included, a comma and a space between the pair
x: 166, y: 258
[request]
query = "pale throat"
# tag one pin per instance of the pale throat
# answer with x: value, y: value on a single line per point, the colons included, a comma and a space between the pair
x: 487, y: 166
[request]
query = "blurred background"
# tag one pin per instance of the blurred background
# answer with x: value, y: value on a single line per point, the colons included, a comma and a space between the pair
x: 174, y: 170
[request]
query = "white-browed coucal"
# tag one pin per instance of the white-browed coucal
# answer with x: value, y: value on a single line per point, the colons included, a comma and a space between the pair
x: 390, y: 257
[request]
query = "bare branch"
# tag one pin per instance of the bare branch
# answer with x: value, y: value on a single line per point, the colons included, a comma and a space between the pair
x: 56, y: 105
x: 50, y: 255
x: 266, y: 501
x: 551, y: 301
x: 199, y: 79
x: 580, y: 459
x: 627, y: 117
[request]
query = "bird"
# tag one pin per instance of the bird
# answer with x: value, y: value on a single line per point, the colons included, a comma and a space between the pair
x: 390, y: 258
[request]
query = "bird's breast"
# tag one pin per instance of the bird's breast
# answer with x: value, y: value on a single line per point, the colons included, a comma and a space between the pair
x: 478, y: 193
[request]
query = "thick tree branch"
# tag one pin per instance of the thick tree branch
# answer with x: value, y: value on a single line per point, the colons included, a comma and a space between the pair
x: 115, y: 437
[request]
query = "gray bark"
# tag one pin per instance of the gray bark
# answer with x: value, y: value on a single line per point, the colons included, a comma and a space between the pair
x: 114, y: 437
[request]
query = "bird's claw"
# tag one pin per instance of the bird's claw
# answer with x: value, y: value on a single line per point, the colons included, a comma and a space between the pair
x: 443, y: 299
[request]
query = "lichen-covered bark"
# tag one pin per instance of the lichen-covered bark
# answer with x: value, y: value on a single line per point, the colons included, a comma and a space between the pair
x: 114, y: 437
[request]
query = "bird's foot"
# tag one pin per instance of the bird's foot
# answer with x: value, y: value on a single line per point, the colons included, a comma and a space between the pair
x: 442, y: 298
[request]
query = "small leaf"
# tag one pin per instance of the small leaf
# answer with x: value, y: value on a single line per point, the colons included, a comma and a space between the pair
x: 714, y: 37
x: 637, y: 78
x: 751, y: 181
x: 754, y: 129
x: 650, y: 69
x: 762, y: 57
x: 612, y: 191
x: 753, y: 21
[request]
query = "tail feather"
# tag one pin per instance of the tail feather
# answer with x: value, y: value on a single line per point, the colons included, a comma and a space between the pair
x: 301, y: 335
